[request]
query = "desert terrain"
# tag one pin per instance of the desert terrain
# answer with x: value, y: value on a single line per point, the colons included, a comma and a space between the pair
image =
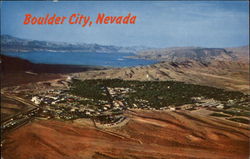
x: 147, y: 134
x: 192, y: 108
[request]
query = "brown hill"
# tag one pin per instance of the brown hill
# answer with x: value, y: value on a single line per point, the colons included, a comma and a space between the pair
x: 14, y: 64
x: 16, y: 71
x: 230, y: 75
x: 147, y: 135
x: 222, y: 68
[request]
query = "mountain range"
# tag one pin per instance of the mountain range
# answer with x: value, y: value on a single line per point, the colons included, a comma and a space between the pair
x: 205, y: 55
x: 173, y: 54
x: 13, y: 44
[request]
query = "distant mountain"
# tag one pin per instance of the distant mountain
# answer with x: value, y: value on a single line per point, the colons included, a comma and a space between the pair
x: 13, y: 44
x: 174, y: 54
x: 242, y: 53
x: 178, y: 54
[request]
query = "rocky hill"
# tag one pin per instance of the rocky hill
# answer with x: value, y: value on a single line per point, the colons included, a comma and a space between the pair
x: 241, y: 53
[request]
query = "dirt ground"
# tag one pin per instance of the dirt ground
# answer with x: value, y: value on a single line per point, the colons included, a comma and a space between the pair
x: 147, y: 135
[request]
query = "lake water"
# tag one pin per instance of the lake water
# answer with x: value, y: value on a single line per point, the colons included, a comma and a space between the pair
x: 77, y: 58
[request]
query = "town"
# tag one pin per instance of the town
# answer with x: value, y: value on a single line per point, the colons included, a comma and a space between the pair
x: 106, y: 101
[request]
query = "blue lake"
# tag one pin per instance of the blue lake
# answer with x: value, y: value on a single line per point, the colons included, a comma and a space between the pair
x: 77, y: 58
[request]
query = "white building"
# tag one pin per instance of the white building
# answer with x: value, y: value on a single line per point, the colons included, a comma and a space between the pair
x: 36, y: 100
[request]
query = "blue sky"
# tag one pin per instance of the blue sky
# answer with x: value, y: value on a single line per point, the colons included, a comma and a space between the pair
x: 159, y: 24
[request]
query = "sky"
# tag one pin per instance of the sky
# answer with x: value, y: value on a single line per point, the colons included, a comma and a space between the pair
x: 158, y: 24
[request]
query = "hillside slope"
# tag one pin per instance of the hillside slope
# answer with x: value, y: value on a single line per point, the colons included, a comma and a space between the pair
x: 223, y: 68
x: 147, y: 135
x: 222, y: 74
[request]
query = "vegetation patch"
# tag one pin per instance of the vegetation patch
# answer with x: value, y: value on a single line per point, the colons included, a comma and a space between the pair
x: 157, y: 94
x: 237, y: 112
x: 240, y: 120
x: 219, y: 115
